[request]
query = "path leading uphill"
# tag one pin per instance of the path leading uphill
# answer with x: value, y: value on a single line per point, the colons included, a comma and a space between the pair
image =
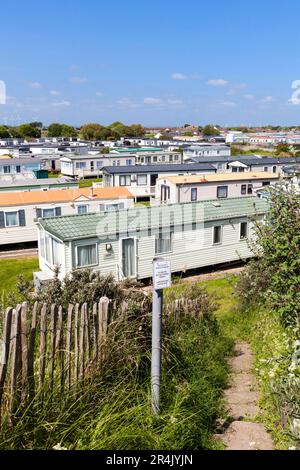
x: 242, y: 398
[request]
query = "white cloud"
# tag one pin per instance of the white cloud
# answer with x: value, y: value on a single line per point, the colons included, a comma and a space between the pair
x: 55, y: 93
x: 99, y: 93
x: 268, y: 99
x: 127, y: 102
x: 35, y: 85
x: 150, y: 100
x: 179, y: 76
x: 218, y: 82
x: 78, y: 80
x: 60, y: 104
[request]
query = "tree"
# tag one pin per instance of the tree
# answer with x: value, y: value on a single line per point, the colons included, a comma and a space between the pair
x: 54, y: 130
x: 283, y: 150
x: 36, y: 124
x: 137, y: 130
x: 93, y: 131
x: 209, y: 129
x: 15, y: 133
x: 26, y: 130
x: 68, y: 131
x: 4, y: 133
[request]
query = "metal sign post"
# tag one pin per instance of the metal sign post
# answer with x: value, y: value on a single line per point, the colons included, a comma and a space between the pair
x: 161, y: 280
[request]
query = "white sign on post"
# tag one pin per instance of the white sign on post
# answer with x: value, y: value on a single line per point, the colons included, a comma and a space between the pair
x: 161, y: 273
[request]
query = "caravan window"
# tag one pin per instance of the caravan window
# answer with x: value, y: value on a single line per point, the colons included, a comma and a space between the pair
x: 125, y: 180
x: 217, y: 235
x: 163, y: 242
x: 86, y: 255
x: 12, y: 219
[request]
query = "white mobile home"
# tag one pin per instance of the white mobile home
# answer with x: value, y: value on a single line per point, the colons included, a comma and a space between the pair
x: 176, y: 189
x: 206, y: 151
x: 20, y: 210
x: 141, y: 179
x: 87, y: 166
x: 124, y: 243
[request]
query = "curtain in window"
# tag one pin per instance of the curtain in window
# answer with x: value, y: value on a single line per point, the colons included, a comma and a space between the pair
x: 12, y: 219
x: 163, y: 243
x: 128, y: 257
x: 55, y: 252
x: 82, y: 209
x: 86, y: 255
x: 47, y: 248
x: 48, y: 212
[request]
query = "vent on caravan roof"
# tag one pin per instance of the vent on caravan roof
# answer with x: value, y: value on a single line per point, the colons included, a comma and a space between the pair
x: 216, y: 204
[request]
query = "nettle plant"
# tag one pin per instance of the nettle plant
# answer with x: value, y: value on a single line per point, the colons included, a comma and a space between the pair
x: 273, y: 277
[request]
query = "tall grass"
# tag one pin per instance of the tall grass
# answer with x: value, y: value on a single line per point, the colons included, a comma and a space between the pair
x: 114, y: 410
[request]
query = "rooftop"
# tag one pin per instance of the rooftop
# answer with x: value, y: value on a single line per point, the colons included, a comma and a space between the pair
x: 36, y: 182
x: 161, y: 168
x: 62, y: 195
x: 214, y: 178
x: 103, y: 225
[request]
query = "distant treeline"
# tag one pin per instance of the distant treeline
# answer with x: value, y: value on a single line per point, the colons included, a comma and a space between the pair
x: 90, y: 131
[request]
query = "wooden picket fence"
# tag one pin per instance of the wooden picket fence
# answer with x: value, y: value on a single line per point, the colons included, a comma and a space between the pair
x: 47, y: 351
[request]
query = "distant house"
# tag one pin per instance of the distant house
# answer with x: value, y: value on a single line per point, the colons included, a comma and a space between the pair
x: 31, y: 184
x: 87, y: 166
x: 18, y: 167
x: 124, y: 243
x: 19, y: 211
x: 206, y: 151
x: 151, y: 156
x: 177, y: 189
x: 141, y: 179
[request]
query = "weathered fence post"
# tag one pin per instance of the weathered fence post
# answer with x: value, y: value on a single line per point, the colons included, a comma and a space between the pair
x: 68, y: 347
x: 6, y: 349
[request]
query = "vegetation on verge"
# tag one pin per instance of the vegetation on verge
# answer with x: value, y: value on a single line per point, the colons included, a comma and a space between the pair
x: 269, y: 295
x: 114, y: 412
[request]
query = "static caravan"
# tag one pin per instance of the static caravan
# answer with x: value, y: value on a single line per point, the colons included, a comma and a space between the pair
x: 31, y: 184
x: 141, y: 179
x: 124, y: 243
x: 176, y: 189
x: 19, y: 211
x: 87, y: 166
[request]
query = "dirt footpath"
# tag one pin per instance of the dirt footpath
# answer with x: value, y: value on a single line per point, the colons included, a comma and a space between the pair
x: 242, y: 398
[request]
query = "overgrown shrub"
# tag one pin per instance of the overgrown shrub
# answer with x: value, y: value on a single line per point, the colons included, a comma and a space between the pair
x: 273, y: 278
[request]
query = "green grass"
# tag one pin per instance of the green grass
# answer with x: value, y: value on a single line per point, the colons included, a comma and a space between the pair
x: 87, y: 183
x: 115, y: 410
x: 11, y: 268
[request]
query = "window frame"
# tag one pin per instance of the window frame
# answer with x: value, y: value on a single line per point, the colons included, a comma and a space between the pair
x: 158, y: 236
x: 124, y: 176
x: 222, y: 188
x: 82, y: 245
x: 47, y: 209
x: 11, y: 212
x: 247, y: 231
x: 193, y: 190
x: 141, y: 176
x: 221, y: 235
x: 82, y: 205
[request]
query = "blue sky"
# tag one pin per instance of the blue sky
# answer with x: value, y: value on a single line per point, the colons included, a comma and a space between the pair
x: 158, y: 63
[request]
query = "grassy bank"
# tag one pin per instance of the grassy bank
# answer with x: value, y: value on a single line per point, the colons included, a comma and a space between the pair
x: 115, y: 411
x: 272, y: 348
x: 9, y: 271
